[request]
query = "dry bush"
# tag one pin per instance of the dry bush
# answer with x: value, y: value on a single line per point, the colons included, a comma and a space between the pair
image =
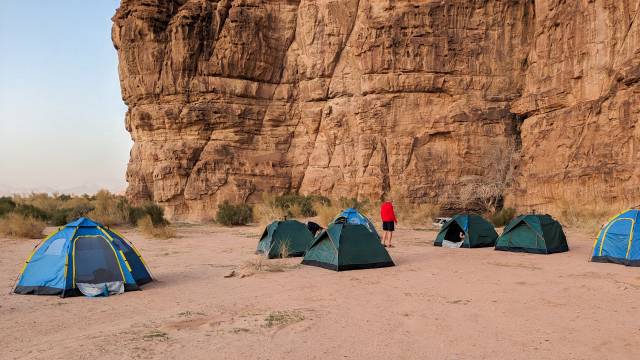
x: 110, y: 209
x: 295, y: 211
x: 410, y: 213
x: 486, y: 193
x: 416, y: 214
x: 267, y: 211
x: 326, y: 213
x: 158, y: 231
x: 20, y: 226
x: 42, y: 201
x: 586, y: 213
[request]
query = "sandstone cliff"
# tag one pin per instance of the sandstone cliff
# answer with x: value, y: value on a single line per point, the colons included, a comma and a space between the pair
x: 360, y: 98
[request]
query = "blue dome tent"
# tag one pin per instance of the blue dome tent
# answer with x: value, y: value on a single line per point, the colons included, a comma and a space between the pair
x: 619, y: 240
x: 83, y: 257
x: 353, y: 217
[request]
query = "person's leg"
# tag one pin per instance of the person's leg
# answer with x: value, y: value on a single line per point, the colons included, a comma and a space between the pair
x: 384, y: 238
x: 390, y: 237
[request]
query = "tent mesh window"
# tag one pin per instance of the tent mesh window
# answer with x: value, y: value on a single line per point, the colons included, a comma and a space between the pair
x: 95, y: 262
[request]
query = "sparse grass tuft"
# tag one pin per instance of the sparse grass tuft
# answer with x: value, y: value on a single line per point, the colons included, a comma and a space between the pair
x: 284, y: 249
x: 156, y: 335
x: 282, y: 318
x: 260, y: 263
x: 20, y: 226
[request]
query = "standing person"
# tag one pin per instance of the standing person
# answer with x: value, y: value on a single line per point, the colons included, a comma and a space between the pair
x: 388, y: 222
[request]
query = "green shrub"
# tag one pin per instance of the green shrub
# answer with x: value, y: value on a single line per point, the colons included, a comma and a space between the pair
x: 62, y: 216
x: 79, y: 211
x: 295, y: 205
x: 31, y: 211
x: 151, y: 210
x: 104, y: 207
x: 156, y: 213
x: 59, y: 217
x: 319, y: 199
x: 300, y: 205
x: 6, y: 205
x: 503, y: 217
x: 135, y: 214
x: 63, y: 197
x: 234, y: 214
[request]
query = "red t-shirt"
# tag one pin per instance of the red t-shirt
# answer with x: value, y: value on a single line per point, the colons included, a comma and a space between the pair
x: 386, y: 212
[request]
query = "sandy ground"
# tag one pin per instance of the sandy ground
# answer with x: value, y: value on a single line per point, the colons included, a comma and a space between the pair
x: 436, y: 303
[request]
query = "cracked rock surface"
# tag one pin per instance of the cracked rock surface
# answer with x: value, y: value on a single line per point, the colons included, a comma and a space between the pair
x: 359, y: 98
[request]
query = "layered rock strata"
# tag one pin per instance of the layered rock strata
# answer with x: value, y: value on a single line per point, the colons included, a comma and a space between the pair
x: 362, y: 98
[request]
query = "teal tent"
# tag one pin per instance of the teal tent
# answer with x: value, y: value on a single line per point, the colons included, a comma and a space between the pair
x: 347, y: 247
x: 288, y: 238
x: 477, y: 232
x: 533, y: 233
x: 83, y: 257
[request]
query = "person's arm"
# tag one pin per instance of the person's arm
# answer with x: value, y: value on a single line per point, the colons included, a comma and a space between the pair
x: 395, y: 219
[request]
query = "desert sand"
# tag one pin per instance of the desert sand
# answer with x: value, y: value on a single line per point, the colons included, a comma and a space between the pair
x: 436, y: 303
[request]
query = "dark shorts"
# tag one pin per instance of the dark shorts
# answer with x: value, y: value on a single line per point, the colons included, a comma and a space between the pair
x: 388, y: 225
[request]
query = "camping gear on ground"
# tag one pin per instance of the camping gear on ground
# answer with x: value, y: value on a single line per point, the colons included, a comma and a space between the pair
x: 287, y: 238
x: 347, y: 247
x: 352, y: 216
x: 619, y: 240
x: 476, y: 231
x: 533, y: 233
x: 83, y: 257
x: 440, y: 221
x: 314, y: 228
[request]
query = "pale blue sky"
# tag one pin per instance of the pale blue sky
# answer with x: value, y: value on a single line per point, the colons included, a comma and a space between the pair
x: 61, y: 111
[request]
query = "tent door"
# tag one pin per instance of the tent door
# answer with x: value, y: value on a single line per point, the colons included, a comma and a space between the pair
x: 96, y: 268
x: 454, y: 237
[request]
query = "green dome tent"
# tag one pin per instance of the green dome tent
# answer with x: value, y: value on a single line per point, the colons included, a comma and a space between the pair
x: 347, y: 247
x: 290, y: 233
x: 478, y: 232
x: 533, y: 233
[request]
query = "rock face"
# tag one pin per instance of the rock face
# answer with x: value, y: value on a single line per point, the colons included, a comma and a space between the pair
x: 361, y: 98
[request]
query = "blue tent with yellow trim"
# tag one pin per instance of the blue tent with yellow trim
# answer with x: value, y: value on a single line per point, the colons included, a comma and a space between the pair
x: 83, y: 257
x: 619, y: 240
x: 354, y: 217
